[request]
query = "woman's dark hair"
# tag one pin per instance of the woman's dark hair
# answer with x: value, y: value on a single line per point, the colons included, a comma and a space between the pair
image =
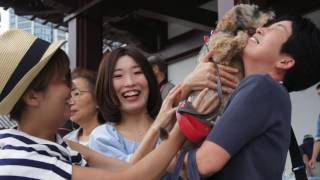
x: 90, y: 77
x: 56, y: 68
x: 304, y: 47
x: 107, y: 99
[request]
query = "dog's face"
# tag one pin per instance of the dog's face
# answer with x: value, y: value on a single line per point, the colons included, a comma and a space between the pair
x: 234, y: 29
x: 244, y: 17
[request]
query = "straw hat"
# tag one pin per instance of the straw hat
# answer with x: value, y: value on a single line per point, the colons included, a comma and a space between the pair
x: 22, y: 57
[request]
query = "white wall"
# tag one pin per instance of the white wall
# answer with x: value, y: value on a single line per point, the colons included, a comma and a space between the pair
x: 176, y: 30
x: 305, y: 111
x: 4, y: 24
x: 179, y: 70
x: 314, y: 16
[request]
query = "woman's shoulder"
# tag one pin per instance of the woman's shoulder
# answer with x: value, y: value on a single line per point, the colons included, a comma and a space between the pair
x: 73, y: 135
x: 109, y: 134
x: 105, y: 130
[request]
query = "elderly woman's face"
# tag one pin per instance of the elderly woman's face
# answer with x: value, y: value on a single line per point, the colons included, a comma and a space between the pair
x: 83, y: 103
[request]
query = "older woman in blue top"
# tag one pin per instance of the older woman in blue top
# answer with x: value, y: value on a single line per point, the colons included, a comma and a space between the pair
x: 83, y: 106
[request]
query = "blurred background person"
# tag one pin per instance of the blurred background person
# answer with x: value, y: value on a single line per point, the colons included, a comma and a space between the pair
x: 306, y: 149
x: 314, y: 162
x: 160, y: 69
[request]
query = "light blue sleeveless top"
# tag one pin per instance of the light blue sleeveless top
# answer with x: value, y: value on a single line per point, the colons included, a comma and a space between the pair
x: 107, y: 140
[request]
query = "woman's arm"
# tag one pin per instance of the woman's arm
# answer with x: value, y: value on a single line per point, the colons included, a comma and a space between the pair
x: 159, y: 157
x: 151, y: 166
x: 98, y: 160
x: 147, y: 144
x: 165, y: 116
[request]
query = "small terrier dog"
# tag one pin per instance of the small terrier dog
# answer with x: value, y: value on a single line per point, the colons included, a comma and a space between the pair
x: 227, y: 41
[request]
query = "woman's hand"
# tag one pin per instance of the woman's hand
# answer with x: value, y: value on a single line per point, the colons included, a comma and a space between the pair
x: 162, y: 121
x: 168, y: 109
x: 204, y: 76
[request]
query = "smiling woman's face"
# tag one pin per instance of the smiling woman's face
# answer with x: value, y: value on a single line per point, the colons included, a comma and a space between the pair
x: 130, y: 85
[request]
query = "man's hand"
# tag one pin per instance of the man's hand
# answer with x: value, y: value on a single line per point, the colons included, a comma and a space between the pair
x: 205, y: 106
x: 205, y: 76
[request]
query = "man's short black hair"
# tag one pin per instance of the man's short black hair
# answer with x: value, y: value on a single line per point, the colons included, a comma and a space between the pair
x: 304, y: 47
x: 156, y: 60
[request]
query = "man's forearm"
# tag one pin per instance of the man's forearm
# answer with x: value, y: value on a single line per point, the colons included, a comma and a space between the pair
x: 211, y: 158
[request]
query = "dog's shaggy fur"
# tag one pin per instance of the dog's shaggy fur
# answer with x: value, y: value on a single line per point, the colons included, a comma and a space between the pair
x: 229, y: 39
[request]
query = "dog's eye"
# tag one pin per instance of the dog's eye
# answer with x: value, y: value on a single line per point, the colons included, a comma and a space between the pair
x: 251, y: 31
x: 268, y: 23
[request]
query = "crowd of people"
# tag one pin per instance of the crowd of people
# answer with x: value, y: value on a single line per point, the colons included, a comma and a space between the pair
x: 121, y: 111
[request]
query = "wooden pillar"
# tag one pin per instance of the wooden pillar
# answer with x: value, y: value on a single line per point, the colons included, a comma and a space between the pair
x: 85, y: 36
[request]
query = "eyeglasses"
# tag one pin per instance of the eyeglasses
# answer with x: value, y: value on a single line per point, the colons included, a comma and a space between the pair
x: 76, y: 93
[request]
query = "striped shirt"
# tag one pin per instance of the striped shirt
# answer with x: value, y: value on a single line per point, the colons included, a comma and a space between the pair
x: 23, y: 156
x: 6, y: 123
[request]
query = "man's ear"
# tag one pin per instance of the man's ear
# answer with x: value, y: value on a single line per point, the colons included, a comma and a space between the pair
x: 285, y: 63
x: 32, y: 98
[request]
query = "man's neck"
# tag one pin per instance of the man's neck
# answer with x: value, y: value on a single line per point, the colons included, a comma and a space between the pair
x: 89, y: 125
x: 137, y: 121
x: 39, y: 131
x: 277, y: 75
x: 38, y: 126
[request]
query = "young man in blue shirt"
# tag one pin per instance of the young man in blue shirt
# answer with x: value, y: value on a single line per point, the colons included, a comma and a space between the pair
x: 251, y: 139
